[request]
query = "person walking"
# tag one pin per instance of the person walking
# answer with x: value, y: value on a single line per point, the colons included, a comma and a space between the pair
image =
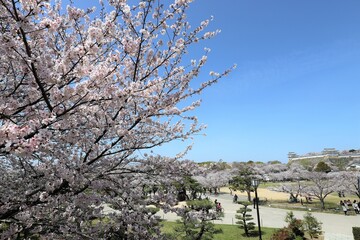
x: 254, y: 201
x: 344, y: 207
x: 356, y: 207
x: 235, y: 198
x: 218, y: 207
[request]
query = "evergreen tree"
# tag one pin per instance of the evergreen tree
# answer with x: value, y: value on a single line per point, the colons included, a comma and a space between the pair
x: 242, y: 181
x: 195, y: 222
x: 322, y: 167
x: 244, y: 218
x: 295, y: 225
x: 312, y: 225
x: 294, y: 230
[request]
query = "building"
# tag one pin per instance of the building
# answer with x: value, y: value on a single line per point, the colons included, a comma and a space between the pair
x: 344, y: 160
x: 330, y: 152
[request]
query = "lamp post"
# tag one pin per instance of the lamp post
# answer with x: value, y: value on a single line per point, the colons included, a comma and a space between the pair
x: 255, y: 183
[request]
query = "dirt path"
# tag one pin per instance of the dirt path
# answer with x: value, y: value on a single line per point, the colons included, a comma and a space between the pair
x: 262, y: 194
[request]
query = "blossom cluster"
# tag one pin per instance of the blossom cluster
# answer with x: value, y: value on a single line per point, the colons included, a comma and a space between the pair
x: 82, y: 94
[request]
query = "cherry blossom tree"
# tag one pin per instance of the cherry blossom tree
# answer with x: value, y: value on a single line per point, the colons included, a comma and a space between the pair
x: 348, y: 182
x: 214, y: 179
x: 322, y: 184
x: 215, y: 166
x: 83, y: 93
x: 296, y: 173
x: 353, y: 182
x: 270, y: 171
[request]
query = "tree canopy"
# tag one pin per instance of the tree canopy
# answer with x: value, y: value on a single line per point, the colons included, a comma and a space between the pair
x: 83, y: 95
x: 322, y: 167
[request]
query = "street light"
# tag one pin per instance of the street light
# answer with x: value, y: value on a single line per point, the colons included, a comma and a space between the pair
x: 255, y: 183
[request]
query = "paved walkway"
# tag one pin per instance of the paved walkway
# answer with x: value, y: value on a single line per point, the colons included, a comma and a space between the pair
x: 335, y: 226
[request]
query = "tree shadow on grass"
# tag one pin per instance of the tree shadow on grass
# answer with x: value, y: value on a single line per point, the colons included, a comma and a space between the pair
x: 252, y: 234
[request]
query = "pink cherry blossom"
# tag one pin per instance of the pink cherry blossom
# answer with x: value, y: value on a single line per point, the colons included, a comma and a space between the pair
x: 83, y: 95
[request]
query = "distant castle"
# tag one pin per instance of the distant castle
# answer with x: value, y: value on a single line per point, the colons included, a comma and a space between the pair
x: 347, y: 159
x: 327, y: 152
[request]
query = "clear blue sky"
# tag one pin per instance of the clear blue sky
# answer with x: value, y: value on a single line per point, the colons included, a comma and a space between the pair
x: 296, y: 87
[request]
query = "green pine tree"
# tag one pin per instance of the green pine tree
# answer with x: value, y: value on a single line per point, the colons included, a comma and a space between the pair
x: 322, y: 167
x: 244, y: 218
x: 312, y: 225
x: 242, y: 182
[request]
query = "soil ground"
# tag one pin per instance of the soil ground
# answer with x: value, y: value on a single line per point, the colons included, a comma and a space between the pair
x: 269, y: 195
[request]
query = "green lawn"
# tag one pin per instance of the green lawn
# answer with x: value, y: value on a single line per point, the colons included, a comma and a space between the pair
x: 229, y: 232
x: 270, y: 184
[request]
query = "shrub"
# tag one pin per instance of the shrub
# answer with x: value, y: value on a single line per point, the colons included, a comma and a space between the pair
x: 294, y: 230
x: 200, y: 205
x: 295, y: 225
x: 356, y: 233
x: 312, y: 225
x: 282, y: 234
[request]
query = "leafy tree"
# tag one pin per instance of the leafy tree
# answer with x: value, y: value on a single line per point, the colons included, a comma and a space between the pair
x: 84, y: 95
x: 242, y: 181
x: 195, y: 222
x: 244, y: 218
x: 322, y: 167
x: 274, y: 162
x: 188, y: 184
x: 312, y: 225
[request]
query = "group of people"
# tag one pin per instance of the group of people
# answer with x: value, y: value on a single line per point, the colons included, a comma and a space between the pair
x: 346, y: 204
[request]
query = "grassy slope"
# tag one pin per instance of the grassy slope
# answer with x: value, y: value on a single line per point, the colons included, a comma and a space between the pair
x: 339, y: 161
